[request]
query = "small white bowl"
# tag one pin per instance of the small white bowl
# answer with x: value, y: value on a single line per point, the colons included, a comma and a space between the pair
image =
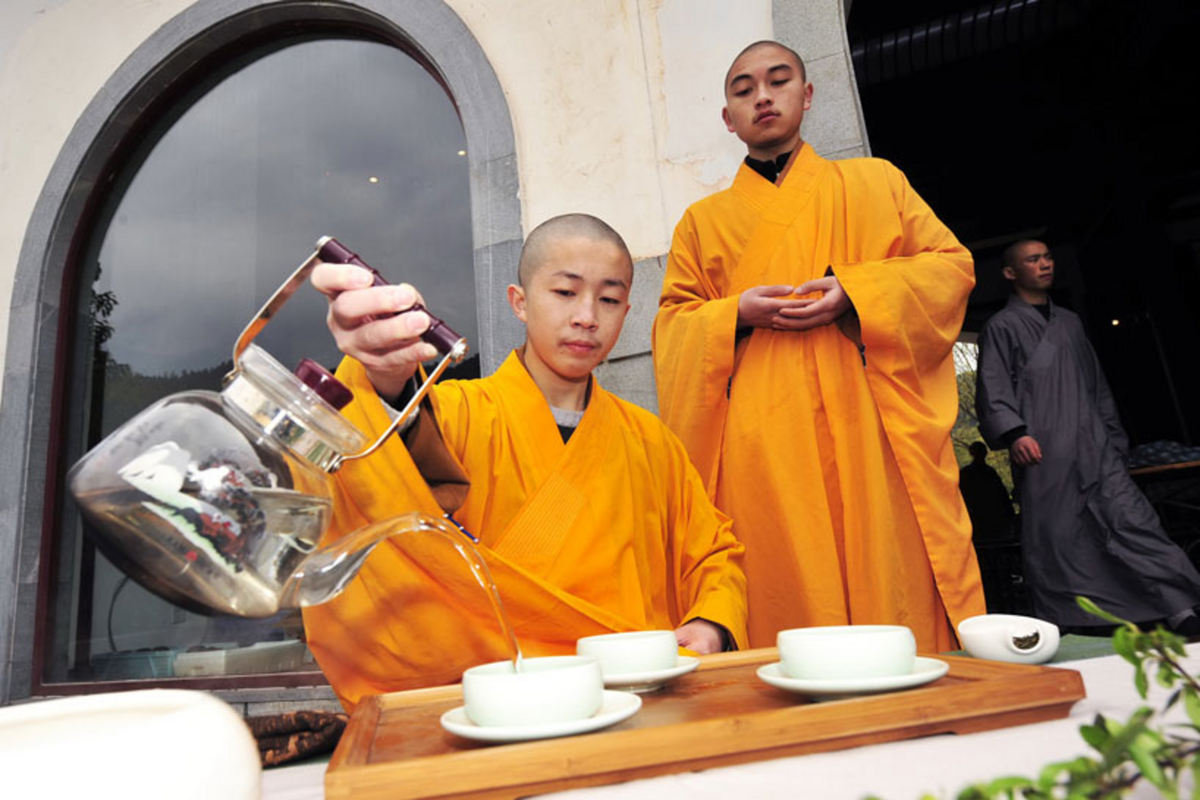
x: 1009, y: 637
x: 550, y: 689
x: 840, y: 652
x: 634, y: 652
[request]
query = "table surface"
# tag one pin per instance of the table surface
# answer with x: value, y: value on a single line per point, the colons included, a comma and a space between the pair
x: 939, y: 765
x: 1152, y: 469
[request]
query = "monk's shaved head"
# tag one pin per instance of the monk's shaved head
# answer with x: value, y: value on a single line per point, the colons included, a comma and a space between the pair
x: 541, y: 239
x: 1011, y: 257
x: 788, y: 52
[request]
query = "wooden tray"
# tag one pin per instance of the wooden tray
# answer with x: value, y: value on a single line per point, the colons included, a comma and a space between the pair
x: 721, y: 714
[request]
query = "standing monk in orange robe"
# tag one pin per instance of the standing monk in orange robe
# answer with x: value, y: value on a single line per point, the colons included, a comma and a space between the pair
x: 803, y: 355
x: 590, y: 516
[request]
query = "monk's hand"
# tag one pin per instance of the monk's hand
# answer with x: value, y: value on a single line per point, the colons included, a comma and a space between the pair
x: 758, y: 307
x: 375, y: 324
x: 700, y: 636
x: 1026, y: 451
x: 814, y: 312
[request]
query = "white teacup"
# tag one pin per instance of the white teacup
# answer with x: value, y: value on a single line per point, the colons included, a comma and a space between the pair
x: 631, y: 653
x: 1009, y: 637
x: 839, y: 652
x: 549, y: 689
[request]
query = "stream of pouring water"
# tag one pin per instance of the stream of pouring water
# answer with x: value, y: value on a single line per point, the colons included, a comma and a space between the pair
x: 327, y: 570
x: 483, y: 575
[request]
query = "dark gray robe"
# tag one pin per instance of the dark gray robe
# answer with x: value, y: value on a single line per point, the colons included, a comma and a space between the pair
x: 1085, y: 526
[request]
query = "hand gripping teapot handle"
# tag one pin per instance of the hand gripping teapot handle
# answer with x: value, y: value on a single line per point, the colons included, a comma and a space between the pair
x: 452, y: 346
x: 439, y: 334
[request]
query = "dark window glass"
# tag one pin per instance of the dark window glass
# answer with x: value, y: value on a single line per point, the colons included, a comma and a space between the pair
x: 215, y: 207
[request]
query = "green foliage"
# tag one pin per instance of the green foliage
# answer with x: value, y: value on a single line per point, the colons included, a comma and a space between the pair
x: 1123, y: 753
x: 966, y: 426
x: 126, y: 392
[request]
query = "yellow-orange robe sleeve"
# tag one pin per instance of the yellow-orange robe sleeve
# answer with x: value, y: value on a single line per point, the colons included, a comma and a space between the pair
x: 910, y: 305
x: 693, y: 344
x: 415, y: 615
x: 577, y: 541
x: 707, y: 556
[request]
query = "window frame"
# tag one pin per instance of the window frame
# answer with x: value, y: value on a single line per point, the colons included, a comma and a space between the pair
x: 179, y: 55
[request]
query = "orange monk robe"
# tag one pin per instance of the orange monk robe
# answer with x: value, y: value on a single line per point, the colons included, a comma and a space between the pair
x: 611, y: 531
x: 839, y: 475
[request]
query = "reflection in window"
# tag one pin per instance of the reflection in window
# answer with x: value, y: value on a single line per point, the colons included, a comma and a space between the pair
x: 216, y: 206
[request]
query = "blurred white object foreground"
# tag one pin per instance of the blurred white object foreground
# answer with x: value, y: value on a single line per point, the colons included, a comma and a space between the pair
x: 148, y: 744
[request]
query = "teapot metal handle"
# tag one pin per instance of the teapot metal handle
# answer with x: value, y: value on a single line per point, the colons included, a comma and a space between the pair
x: 270, y: 309
x: 329, y: 249
x: 453, y: 357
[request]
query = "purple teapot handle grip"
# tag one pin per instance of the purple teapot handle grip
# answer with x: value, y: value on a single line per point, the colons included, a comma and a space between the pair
x: 439, y: 334
x: 452, y: 346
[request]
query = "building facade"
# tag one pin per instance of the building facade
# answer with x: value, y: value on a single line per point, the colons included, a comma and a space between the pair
x: 607, y: 107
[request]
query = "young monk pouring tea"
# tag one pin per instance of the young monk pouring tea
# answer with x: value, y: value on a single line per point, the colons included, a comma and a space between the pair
x: 589, y: 514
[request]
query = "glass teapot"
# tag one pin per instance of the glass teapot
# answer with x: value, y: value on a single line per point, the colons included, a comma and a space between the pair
x: 217, y: 502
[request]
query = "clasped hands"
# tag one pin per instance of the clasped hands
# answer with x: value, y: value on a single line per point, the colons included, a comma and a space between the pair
x: 777, y: 308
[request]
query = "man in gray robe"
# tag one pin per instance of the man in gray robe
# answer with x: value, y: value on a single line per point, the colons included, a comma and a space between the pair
x: 1086, y: 529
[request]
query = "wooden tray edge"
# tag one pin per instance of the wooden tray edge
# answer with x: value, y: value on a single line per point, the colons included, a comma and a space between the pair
x: 1048, y: 692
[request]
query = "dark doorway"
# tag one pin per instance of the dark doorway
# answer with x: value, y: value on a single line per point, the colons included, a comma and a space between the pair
x: 1073, y: 121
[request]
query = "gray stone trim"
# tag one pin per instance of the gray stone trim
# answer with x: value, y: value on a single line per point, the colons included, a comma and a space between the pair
x: 816, y: 29
x: 259, y: 702
x: 643, y: 297
x: 629, y: 370
x: 430, y: 27
x: 495, y: 270
x: 631, y: 378
x: 850, y: 152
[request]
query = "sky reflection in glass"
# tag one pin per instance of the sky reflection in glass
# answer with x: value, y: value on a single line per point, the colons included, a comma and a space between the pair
x: 244, y: 181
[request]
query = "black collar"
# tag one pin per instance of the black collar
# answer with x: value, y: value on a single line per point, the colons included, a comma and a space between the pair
x: 770, y: 168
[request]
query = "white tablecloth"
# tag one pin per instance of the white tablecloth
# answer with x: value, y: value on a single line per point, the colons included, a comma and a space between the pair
x: 940, y: 765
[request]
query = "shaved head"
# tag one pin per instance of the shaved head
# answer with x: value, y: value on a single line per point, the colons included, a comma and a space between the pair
x: 1011, y: 256
x: 788, y: 52
x: 541, y: 239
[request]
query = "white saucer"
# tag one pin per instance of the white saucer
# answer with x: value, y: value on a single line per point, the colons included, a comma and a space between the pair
x: 649, y: 681
x: 615, y: 707
x: 926, y: 670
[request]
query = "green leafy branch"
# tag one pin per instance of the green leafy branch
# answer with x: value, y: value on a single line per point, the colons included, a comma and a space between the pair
x: 1124, y: 753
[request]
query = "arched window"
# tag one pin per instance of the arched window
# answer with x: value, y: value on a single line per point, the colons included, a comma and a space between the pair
x: 215, y: 204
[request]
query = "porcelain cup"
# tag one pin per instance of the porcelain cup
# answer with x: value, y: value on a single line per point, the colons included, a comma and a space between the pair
x: 631, y: 653
x: 840, y: 652
x: 1009, y: 637
x: 549, y: 689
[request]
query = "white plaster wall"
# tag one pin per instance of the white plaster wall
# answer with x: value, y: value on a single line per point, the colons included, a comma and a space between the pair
x: 615, y: 107
x: 615, y: 103
x: 696, y: 42
x: 54, y: 56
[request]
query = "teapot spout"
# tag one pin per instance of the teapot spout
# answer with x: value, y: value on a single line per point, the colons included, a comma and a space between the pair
x: 326, y: 571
